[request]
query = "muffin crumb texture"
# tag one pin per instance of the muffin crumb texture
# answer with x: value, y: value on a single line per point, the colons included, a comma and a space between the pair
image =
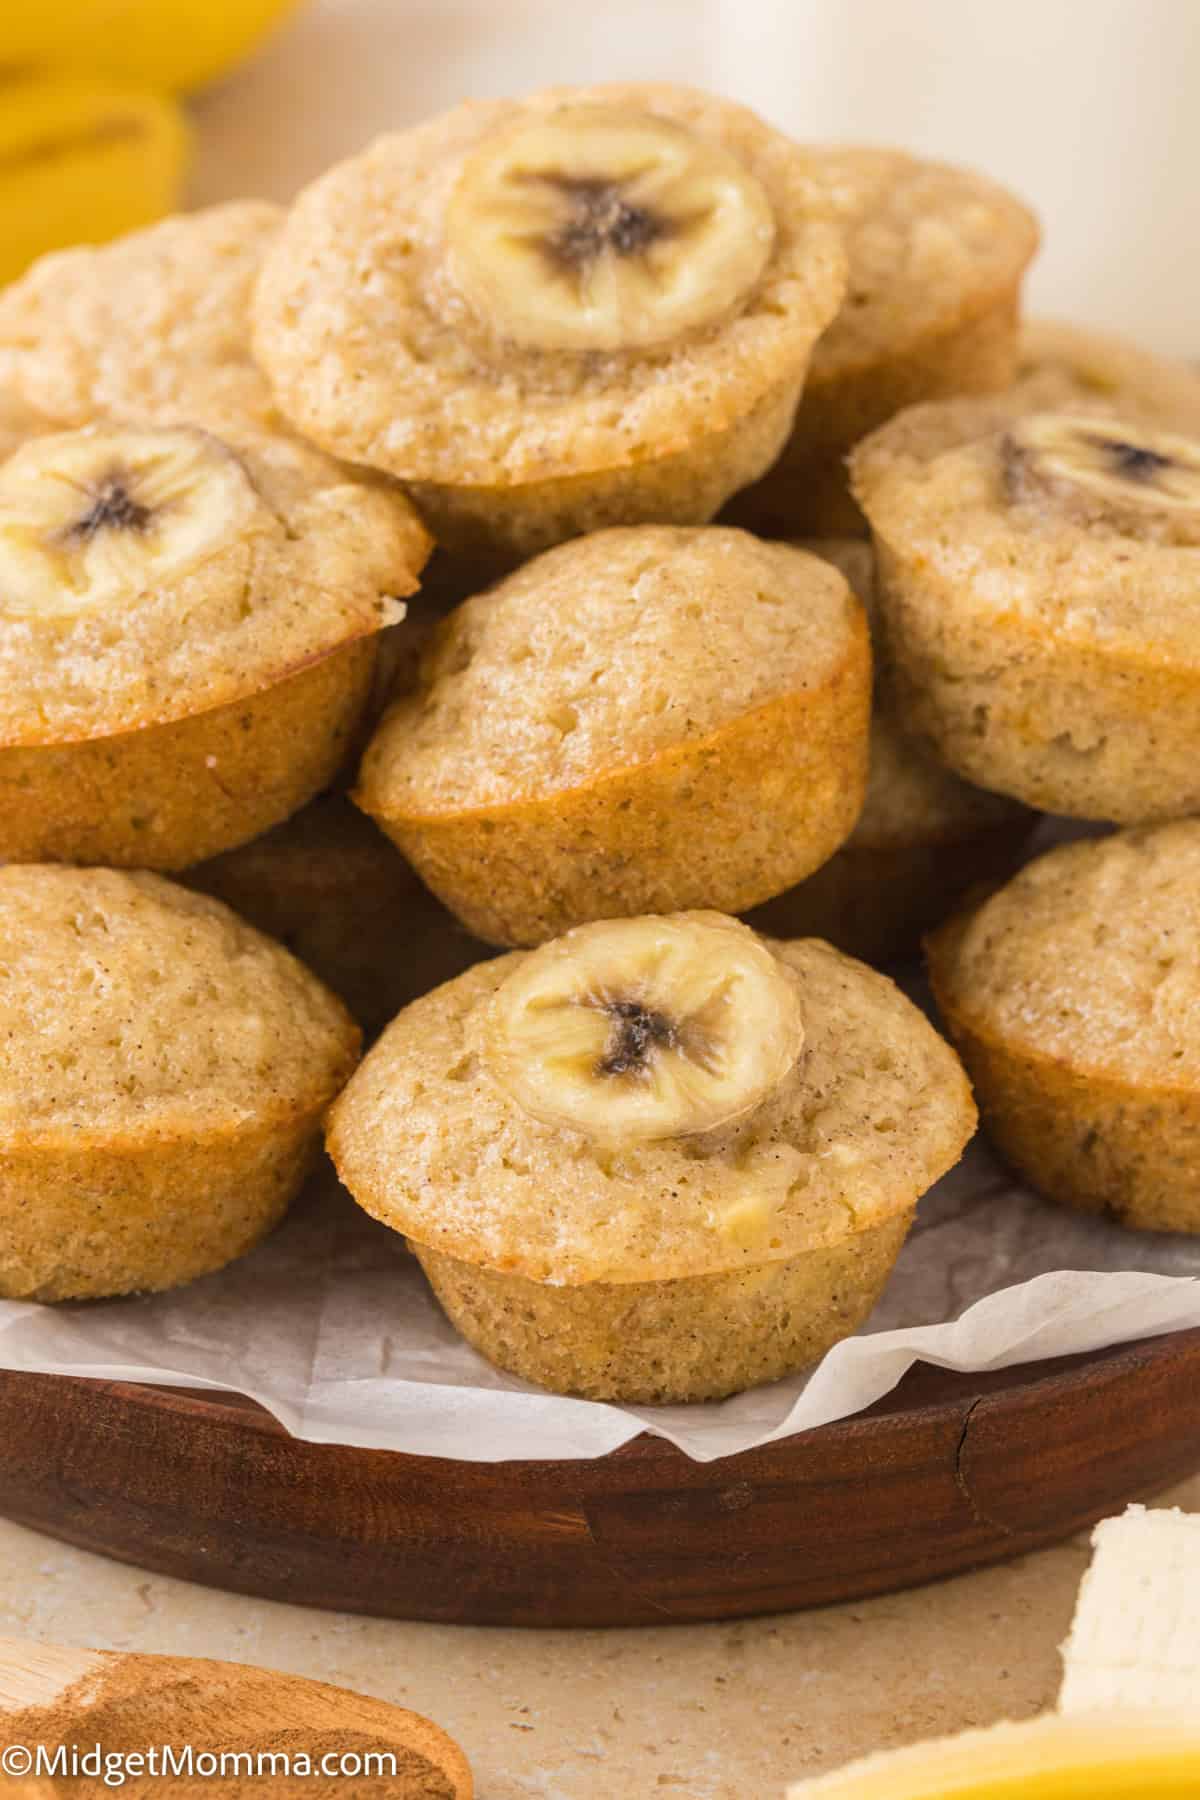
x: 131, y: 1006
x: 1092, y: 954
x: 928, y: 244
x: 935, y: 259
x: 1060, y: 364
x: 152, y: 327
x: 1074, y: 996
x: 599, y: 654
x: 1038, y: 574
x: 165, y: 1075
x: 295, y: 559
x: 648, y: 720
x: 654, y: 1342
x: 375, y: 352
x: 874, y: 1111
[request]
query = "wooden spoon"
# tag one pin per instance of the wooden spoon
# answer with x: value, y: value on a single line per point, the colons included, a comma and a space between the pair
x: 128, y: 1703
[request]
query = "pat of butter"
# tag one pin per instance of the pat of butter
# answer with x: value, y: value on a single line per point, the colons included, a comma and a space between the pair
x: 1135, y: 1641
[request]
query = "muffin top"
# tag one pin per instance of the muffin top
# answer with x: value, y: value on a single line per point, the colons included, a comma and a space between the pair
x: 603, y: 652
x: 154, y: 326
x: 1090, y: 957
x: 524, y: 289
x: 16, y: 421
x: 131, y: 1008
x: 911, y: 798
x: 148, y: 573
x: 476, y: 1125
x: 928, y: 247
x: 1083, y: 523
x: 1062, y: 363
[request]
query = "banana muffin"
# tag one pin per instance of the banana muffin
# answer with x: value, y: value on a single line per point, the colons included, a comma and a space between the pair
x: 165, y: 1074
x: 333, y: 889
x: 1060, y: 364
x: 657, y: 1159
x: 189, y: 636
x: 646, y: 719
x: 936, y: 256
x: 923, y: 840
x: 594, y: 306
x: 154, y: 326
x: 1074, y: 996
x: 1039, y: 578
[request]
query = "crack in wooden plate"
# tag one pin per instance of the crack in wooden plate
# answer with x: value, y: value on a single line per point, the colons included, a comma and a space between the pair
x: 946, y: 1473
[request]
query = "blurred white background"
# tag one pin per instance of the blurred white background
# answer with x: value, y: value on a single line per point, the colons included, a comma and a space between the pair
x: 1089, y: 108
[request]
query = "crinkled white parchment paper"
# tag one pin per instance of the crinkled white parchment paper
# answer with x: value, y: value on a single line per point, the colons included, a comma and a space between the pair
x: 330, y: 1326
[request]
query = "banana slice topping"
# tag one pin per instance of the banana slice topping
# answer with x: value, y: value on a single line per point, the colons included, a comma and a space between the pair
x: 1108, y: 471
x: 89, y: 518
x: 635, y: 1029
x: 596, y: 228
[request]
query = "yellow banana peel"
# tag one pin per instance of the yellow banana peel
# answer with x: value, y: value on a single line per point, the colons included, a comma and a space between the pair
x: 82, y: 160
x: 1143, y: 1756
x: 177, y: 45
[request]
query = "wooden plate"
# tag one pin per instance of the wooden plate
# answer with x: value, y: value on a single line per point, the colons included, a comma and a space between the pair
x: 947, y: 1472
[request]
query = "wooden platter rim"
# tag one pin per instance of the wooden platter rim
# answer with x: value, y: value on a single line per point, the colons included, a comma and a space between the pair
x: 1010, y: 1383
x: 946, y: 1472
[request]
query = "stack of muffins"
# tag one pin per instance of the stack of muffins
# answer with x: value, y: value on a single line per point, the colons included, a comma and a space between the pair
x: 691, y: 777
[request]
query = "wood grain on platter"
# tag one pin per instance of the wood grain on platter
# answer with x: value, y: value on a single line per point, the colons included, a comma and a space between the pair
x: 947, y: 1472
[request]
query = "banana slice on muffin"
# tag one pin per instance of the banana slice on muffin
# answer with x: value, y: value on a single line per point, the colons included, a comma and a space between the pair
x: 657, y: 1159
x: 645, y: 719
x: 189, y: 636
x: 589, y: 307
x: 924, y: 837
x: 1074, y: 997
x: 604, y: 228
x: 165, y: 1073
x: 632, y: 1028
x: 936, y: 257
x: 1039, y: 578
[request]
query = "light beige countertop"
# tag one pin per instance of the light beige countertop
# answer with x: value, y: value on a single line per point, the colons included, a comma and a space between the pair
x: 702, y: 1712
x: 724, y: 1712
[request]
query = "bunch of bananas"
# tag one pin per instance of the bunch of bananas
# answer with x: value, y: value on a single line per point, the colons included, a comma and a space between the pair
x: 93, y: 137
